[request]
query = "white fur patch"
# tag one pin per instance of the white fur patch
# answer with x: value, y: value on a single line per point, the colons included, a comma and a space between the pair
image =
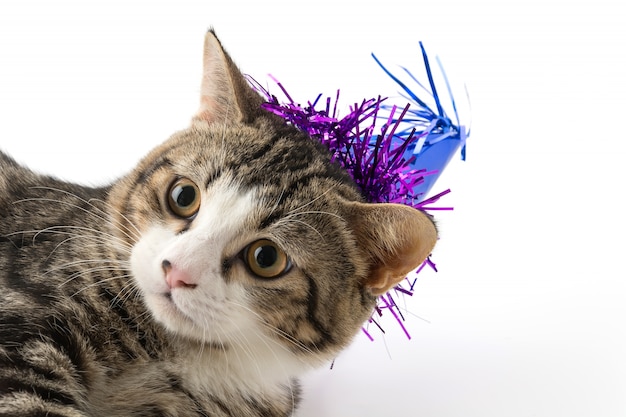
x: 207, y: 311
x: 215, y: 311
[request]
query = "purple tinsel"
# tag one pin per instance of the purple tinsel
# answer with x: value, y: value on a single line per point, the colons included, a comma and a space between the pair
x: 384, y: 162
x: 376, y: 162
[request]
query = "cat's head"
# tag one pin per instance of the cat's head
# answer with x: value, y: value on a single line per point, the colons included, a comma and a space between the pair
x: 244, y: 233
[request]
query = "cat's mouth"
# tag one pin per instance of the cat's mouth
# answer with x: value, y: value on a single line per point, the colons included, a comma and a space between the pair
x: 170, y: 310
x: 168, y: 305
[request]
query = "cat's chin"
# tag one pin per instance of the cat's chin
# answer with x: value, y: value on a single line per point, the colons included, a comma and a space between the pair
x: 178, y: 323
x: 165, y: 311
x: 245, y: 356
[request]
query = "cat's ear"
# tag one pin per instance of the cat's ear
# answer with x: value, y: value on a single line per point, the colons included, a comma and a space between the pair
x: 225, y: 94
x: 396, y: 238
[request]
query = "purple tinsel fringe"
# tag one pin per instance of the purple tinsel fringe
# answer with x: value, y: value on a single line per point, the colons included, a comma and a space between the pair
x: 380, y: 160
x: 376, y: 162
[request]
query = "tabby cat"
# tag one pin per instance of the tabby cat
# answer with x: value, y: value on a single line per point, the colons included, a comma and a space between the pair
x: 232, y: 259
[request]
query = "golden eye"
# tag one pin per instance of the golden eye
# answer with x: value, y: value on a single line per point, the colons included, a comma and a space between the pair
x: 183, y: 198
x: 265, y: 259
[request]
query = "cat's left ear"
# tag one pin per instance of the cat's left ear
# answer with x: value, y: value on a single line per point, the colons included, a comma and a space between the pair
x: 226, y: 96
x: 396, y: 239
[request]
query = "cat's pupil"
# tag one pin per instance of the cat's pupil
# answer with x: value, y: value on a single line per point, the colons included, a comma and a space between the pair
x: 185, y: 196
x: 266, y: 256
x: 265, y: 259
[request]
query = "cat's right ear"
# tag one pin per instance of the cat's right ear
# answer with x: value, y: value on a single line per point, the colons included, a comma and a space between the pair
x: 396, y: 239
x: 225, y: 95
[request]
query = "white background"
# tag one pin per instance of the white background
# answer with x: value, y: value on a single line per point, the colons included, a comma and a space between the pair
x: 526, y: 316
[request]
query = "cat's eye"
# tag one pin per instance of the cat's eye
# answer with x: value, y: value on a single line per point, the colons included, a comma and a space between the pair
x: 265, y: 259
x: 183, y: 198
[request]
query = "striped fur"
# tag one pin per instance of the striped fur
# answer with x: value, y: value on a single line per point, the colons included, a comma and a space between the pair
x: 89, y: 325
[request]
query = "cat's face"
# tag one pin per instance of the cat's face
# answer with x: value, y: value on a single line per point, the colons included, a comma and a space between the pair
x: 244, y: 233
x: 233, y: 244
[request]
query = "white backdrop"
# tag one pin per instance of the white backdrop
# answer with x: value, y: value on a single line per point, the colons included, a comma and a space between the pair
x: 526, y: 316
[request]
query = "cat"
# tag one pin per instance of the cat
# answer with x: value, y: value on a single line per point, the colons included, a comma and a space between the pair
x: 235, y: 257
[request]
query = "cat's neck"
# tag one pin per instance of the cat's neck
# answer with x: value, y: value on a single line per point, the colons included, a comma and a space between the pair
x: 255, y: 365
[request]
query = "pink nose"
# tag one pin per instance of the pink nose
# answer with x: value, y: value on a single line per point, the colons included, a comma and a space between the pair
x: 177, y: 278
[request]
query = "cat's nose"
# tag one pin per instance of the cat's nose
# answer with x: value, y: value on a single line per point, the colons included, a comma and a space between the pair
x: 176, y: 277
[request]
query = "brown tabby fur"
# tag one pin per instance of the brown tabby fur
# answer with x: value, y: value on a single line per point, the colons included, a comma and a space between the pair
x: 77, y: 334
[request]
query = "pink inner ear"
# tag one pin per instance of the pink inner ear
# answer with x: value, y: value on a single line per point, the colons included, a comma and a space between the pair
x: 386, y: 276
x: 398, y: 239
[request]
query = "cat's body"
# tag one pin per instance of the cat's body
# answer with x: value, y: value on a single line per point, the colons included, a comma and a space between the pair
x: 70, y: 314
x: 233, y: 258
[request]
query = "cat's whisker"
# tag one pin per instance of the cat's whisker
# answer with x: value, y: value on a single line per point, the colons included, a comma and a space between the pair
x: 301, y: 213
x: 205, y: 341
x: 245, y: 346
x: 277, y: 203
x: 289, y: 220
x: 265, y: 342
x: 65, y: 242
x: 142, y: 318
x: 209, y: 322
x: 102, y: 232
x: 253, y: 359
x: 286, y: 337
x: 121, y: 263
x: 319, y: 197
x: 98, y: 283
x: 58, y: 201
x: 91, y: 271
x: 275, y: 330
x: 133, y: 235
x: 136, y: 233
x: 71, y: 230
x: 126, y: 292
x: 227, y: 358
x: 113, y: 266
x: 290, y: 339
